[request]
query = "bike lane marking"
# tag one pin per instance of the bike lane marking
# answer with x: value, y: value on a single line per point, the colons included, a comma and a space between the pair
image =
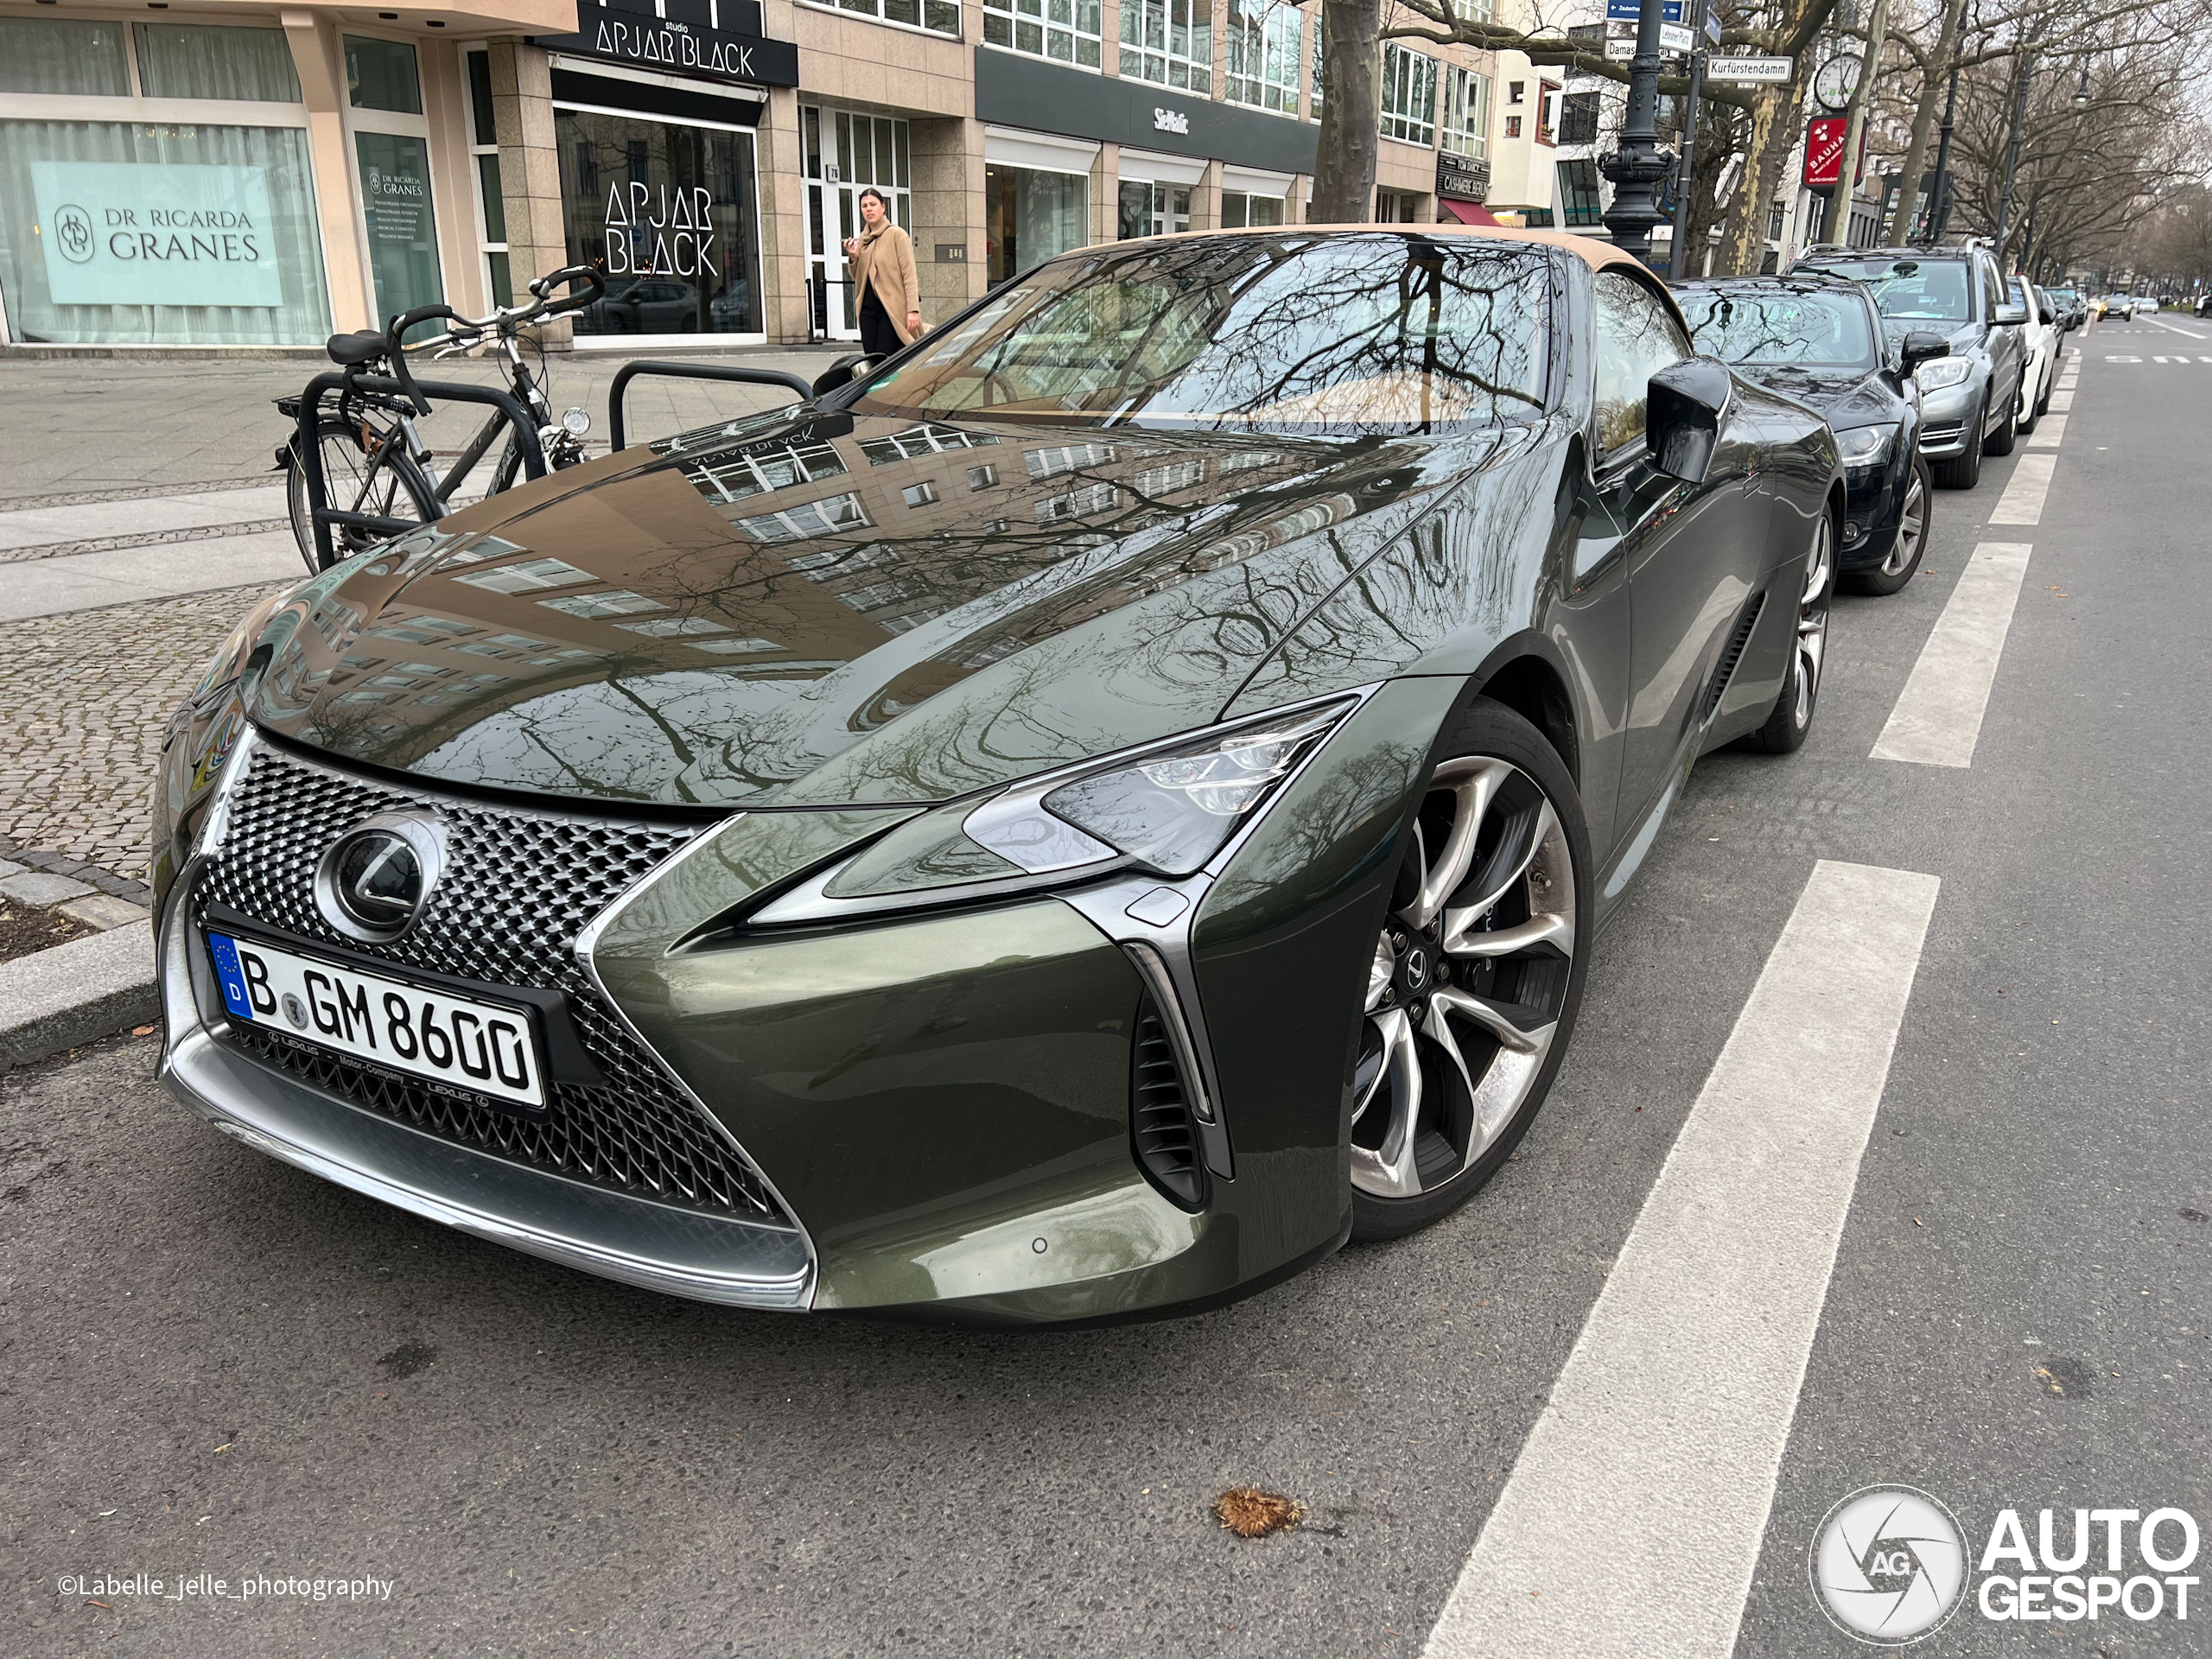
x: 1936, y: 721
x: 2051, y: 431
x: 2022, y: 502
x: 1633, y: 1518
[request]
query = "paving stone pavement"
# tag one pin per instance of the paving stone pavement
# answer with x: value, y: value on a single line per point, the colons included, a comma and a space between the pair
x: 87, y: 695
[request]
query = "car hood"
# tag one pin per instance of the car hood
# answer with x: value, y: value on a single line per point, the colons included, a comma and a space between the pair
x: 803, y: 608
x: 1845, y: 398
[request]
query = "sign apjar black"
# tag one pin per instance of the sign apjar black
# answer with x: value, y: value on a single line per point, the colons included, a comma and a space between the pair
x: 679, y: 47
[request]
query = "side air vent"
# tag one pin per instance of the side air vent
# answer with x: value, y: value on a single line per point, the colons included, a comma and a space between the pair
x: 1161, y: 1129
x: 1725, y: 670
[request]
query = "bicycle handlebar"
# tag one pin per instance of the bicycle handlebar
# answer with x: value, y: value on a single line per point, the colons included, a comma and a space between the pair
x: 502, y: 318
x: 572, y: 301
x: 395, y: 335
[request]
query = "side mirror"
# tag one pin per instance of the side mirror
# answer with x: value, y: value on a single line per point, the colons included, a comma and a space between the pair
x: 842, y: 371
x: 1921, y: 347
x: 2011, y: 314
x: 1686, y: 403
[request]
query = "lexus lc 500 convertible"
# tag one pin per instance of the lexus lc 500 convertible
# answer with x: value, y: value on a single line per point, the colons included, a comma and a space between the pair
x: 1073, y: 824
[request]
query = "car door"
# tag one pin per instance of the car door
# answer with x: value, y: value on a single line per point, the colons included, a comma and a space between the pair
x: 2007, y: 347
x: 1694, y: 553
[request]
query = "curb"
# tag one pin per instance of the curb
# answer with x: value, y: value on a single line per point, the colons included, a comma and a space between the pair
x: 75, y: 993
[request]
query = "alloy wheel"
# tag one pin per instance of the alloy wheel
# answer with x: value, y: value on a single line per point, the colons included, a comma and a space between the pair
x: 1468, y: 979
x: 1813, y: 619
x: 1912, y: 525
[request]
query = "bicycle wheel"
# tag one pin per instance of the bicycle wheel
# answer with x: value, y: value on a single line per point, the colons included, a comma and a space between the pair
x: 385, y: 482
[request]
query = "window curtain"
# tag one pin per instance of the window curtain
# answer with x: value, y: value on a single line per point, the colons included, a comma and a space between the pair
x: 189, y: 60
x: 302, y: 317
x: 62, y: 54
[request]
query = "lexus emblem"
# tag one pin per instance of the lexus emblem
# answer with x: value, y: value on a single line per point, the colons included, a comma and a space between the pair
x: 375, y: 878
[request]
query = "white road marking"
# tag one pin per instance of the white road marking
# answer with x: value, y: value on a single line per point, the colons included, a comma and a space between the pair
x: 2051, y: 431
x: 2022, y: 502
x: 2123, y: 359
x: 2175, y: 329
x: 1937, y: 719
x: 1633, y: 1517
x: 2063, y: 399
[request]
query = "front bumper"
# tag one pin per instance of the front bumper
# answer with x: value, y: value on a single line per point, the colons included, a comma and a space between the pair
x: 660, y: 1247
x: 1947, y: 421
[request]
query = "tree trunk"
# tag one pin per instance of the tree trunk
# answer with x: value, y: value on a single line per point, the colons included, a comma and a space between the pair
x: 1351, y: 130
x: 1924, y: 122
x: 1774, y: 131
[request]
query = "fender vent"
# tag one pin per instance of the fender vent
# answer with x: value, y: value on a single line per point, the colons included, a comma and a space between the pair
x: 1161, y: 1130
x: 1725, y: 670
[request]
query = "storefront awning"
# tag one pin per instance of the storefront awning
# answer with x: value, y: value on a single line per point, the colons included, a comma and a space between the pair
x: 1467, y: 213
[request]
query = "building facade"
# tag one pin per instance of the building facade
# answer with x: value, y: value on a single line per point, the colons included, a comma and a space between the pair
x: 250, y: 172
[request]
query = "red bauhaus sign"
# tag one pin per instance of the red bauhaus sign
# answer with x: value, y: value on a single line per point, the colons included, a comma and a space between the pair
x: 1824, y: 151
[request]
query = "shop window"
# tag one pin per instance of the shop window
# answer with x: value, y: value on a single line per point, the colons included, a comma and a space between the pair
x: 1578, y: 193
x: 491, y: 196
x: 1065, y: 31
x: 1169, y: 43
x: 1150, y: 209
x: 63, y: 55
x: 1398, y: 208
x: 668, y: 212
x: 1578, y: 118
x: 402, y: 222
x: 1409, y: 95
x: 196, y: 60
x: 381, y: 75
x: 1030, y: 216
x: 1265, y: 41
x: 81, y: 264
x: 1466, y: 113
x: 1239, y: 210
x: 939, y: 17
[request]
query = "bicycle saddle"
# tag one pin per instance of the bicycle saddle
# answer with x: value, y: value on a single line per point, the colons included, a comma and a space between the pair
x: 349, y: 349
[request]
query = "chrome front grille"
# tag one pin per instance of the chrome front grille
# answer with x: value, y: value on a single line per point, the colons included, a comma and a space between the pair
x: 519, y: 887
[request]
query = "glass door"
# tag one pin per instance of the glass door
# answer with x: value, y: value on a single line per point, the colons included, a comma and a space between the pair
x: 1148, y: 208
x: 392, y: 158
x: 846, y: 153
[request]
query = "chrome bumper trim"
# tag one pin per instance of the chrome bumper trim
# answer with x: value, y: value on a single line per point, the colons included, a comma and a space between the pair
x: 638, y: 1241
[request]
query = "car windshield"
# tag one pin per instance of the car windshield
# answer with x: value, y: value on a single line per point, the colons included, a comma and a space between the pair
x: 1369, y: 332
x: 1818, y: 330
x: 1916, y: 290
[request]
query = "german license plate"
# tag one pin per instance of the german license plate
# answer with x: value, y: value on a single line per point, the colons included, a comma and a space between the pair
x: 478, y: 1047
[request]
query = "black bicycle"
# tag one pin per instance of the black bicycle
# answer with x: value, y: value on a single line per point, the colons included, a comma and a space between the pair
x: 370, y: 476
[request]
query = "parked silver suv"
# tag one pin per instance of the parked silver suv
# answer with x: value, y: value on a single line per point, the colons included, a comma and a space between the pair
x: 1969, y: 400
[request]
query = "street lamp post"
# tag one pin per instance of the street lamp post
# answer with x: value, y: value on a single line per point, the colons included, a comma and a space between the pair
x: 1638, y: 165
x: 2013, y: 150
x: 1939, y: 194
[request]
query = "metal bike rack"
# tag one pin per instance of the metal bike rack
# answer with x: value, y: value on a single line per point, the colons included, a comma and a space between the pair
x: 311, y: 451
x: 616, y: 431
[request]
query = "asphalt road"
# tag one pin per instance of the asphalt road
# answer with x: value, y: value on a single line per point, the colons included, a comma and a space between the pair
x: 213, y: 1365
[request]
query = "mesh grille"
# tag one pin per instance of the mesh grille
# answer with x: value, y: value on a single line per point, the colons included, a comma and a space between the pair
x: 519, y: 887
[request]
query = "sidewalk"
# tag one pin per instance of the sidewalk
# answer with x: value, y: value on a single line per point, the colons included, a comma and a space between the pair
x: 139, y: 518
x: 82, y: 428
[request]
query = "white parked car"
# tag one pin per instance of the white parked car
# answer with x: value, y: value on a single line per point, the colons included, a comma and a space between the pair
x: 2146, y: 305
x: 2039, y: 338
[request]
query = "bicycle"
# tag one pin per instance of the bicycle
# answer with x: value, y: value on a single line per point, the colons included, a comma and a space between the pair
x: 376, y: 474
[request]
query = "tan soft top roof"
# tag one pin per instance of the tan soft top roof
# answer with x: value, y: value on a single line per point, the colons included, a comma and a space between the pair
x: 1598, y: 256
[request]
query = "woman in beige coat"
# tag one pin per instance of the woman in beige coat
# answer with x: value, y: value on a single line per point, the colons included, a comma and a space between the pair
x: 880, y: 264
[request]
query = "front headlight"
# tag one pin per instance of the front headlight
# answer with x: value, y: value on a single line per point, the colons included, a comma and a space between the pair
x: 1942, y: 372
x: 1865, y: 446
x: 1167, y: 808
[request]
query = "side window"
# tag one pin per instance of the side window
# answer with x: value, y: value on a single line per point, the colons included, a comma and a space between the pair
x: 1636, y: 338
x: 1992, y: 295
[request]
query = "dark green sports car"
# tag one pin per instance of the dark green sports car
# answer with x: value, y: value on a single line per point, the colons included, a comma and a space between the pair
x: 1073, y: 826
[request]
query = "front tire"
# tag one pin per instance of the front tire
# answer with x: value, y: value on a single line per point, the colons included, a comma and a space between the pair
x: 1472, y: 990
x: 1911, y: 540
x: 1963, y: 470
x: 2000, y: 442
x: 386, y: 483
x: 1792, y: 715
